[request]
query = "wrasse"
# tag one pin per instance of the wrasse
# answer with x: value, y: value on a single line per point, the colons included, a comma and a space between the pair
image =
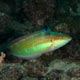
x: 38, y: 43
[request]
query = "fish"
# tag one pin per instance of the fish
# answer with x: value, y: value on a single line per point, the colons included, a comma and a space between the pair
x: 38, y: 43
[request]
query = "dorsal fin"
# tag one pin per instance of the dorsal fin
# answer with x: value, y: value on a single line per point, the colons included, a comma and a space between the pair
x: 47, y: 29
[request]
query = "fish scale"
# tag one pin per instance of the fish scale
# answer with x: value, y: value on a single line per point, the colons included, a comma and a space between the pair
x: 36, y: 44
x: 30, y: 44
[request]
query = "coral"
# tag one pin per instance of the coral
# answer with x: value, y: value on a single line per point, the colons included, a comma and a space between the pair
x: 29, y: 78
x: 12, y: 71
x: 3, y: 55
x: 63, y: 69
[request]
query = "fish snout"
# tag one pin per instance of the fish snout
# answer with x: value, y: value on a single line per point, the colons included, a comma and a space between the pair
x: 63, y: 40
x: 66, y: 39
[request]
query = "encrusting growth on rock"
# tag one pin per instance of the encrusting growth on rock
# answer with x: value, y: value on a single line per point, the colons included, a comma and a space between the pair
x: 3, y: 55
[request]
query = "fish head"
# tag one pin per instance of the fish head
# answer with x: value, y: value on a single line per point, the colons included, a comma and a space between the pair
x: 59, y: 40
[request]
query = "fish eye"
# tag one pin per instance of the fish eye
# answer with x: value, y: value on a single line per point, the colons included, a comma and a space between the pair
x: 51, y: 40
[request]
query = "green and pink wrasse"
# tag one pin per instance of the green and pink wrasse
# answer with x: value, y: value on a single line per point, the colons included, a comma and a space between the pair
x: 38, y: 43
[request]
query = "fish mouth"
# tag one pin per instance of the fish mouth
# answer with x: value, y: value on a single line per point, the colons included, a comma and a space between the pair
x: 66, y: 37
x: 66, y: 40
x: 69, y: 38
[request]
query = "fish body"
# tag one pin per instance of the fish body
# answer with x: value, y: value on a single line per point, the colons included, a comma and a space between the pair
x: 34, y: 45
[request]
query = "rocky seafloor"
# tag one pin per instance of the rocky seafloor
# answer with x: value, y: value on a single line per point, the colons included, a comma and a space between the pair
x: 34, y: 70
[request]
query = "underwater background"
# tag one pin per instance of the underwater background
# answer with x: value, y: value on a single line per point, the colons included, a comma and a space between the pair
x: 23, y: 17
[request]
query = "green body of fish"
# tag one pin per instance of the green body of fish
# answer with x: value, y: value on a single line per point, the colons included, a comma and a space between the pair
x: 34, y: 45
